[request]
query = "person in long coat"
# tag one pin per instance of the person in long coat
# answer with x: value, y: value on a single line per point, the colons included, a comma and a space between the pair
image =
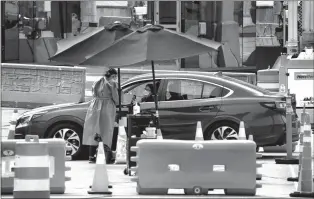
x: 101, y: 115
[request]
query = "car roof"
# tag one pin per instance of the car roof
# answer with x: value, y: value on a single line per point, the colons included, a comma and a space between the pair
x: 163, y: 75
x: 216, y: 77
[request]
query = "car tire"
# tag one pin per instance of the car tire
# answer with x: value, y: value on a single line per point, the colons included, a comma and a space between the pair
x: 82, y: 151
x: 212, y: 129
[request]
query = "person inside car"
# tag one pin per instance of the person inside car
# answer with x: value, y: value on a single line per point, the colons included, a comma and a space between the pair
x: 172, y: 94
x: 148, y: 93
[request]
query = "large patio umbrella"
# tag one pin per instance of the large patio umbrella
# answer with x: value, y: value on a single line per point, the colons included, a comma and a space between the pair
x: 148, y: 44
x: 74, y: 50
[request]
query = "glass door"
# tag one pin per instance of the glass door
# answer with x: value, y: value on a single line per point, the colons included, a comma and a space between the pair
x: 168, y: 14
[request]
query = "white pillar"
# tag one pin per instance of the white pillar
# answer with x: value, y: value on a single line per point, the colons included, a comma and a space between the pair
x: 308, y: 15
x: 292, y: 26
x: 88, y: 14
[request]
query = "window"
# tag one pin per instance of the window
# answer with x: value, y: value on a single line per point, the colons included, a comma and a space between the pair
x: 211, y: 91
x: 190, y: 89
x: 136, y: 90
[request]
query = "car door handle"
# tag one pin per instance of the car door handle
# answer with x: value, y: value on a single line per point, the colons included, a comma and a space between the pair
x: 207, y: 108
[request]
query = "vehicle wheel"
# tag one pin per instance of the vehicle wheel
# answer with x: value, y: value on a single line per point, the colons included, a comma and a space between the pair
x: 72, y: 134
x: 126, y: 171
x: 223, y: 131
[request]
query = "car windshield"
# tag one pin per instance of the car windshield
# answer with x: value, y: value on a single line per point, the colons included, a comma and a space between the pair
x: 265, y: 92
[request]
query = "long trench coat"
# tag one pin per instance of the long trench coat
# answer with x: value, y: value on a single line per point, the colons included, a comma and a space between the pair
x: 101, y: 114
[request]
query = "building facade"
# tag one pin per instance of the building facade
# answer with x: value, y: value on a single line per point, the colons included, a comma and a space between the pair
x: 247, y: 31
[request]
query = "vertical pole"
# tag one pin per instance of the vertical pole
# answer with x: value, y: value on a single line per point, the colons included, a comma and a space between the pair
x: 289, y: 112
x: 284, y: 27
x: 119, y: 92
x: 155, y: 94
x: 3, y: 31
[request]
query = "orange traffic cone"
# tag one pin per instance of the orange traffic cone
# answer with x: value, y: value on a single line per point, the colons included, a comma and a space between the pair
x: 100, y: 181
x: 258, y: 155
x: 242, y: 134
x: 199, y: 132
x: 121, y: 145
x: 251, y: 137
x: 14, y: 116
x: 305, y: 185
x: 300, y: 145
x: 159, y: 135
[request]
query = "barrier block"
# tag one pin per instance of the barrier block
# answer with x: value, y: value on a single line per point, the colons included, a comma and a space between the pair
x: 206, y: 165
x: 56, y: 151
x: 31, y: 170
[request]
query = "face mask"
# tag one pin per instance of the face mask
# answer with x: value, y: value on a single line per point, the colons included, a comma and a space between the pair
x: 115, y: 80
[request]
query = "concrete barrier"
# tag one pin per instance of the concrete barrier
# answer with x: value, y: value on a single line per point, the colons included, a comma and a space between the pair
x: 30, y: 85
x: 195, y: 166
x: 58, y: 168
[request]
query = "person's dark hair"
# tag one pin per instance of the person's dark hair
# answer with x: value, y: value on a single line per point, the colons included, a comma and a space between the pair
x: 110, y: 72
x: 150, y: 86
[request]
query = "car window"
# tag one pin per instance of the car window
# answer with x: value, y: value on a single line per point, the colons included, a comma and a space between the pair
x: 264, y: 91
x: 211, y: 91
x: 136, y: 90
x: 190, y: 89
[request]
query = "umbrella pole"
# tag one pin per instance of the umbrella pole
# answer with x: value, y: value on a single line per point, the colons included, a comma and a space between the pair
x: 155, y: 95
x: 119, y: 92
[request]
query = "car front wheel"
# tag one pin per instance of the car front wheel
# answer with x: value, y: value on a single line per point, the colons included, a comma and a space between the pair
x: 71, y: 134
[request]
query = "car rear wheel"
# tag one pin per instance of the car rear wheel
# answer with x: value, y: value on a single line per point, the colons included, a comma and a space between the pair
x: 72, y: 134
x: 223, y: 131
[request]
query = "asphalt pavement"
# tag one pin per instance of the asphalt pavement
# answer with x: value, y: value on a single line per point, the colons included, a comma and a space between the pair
x: 274, y: 183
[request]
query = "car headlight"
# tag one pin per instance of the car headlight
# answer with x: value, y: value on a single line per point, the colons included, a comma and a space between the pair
x: 25, y: 119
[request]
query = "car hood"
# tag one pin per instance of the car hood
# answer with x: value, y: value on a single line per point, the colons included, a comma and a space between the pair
x: 53, y: 107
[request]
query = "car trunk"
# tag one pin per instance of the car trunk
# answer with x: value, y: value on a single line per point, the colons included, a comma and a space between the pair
x: 283, y: 98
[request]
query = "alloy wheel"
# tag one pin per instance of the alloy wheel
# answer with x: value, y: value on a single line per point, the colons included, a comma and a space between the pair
x: 224, y: 133
x: 71, y: 138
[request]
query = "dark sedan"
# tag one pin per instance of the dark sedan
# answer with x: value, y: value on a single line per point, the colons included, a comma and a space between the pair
x: 218, y: 101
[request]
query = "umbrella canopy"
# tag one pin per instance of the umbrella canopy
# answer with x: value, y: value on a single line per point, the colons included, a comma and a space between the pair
x: 74, y: 50
x: 151, y: 43
x: 148, y: 44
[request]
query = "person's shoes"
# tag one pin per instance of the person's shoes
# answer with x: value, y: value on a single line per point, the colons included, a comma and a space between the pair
x: 92, y: 160
x: 109, y: 157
